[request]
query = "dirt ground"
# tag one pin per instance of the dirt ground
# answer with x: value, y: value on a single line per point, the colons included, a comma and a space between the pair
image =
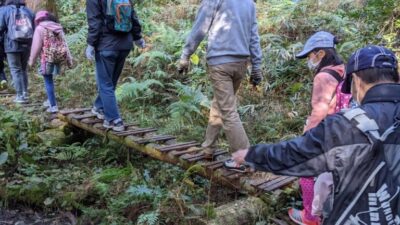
x: 26, y: 216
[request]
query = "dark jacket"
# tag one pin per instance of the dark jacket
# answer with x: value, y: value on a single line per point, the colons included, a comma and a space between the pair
x: 103, y: 39
x: 11, y: 46
x: 336, y: 145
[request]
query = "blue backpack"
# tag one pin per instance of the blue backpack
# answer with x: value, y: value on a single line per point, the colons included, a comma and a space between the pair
x: 20, y: 26
x: 119, y: 16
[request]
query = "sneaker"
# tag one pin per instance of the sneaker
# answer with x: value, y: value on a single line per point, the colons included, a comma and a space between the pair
x: 20, y: 99
x: 115, y: 125
x: 46, y: 103
x: 298, y: 216
x: 98, y: 112
x: 230, y: 164
x: 25, y: 96
x: 52, y: 109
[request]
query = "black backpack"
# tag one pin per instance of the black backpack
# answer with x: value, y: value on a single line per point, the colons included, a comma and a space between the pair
x: 377, y: 200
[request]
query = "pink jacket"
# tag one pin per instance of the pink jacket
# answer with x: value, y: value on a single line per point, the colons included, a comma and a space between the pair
x: 323, y: 100
x: 38, y: 38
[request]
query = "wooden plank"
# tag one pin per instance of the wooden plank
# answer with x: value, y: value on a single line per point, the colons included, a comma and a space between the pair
x: 179, y: 146
x: 280, y: 184
x: 134, y: 132
x: 201, y: 156
x: 190, y: 150
x: 84, y: 116
x: 91, y: 121
x: 79, y: 110
x: 155, y: 139
x: 271, y: 182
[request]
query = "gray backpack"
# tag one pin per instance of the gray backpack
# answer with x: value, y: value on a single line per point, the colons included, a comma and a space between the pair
x: 20, y: 26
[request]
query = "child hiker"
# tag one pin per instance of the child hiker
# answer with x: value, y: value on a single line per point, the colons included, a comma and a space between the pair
x: 49, y: 42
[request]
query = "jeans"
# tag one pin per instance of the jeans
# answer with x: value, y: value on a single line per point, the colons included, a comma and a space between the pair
x: 49, y: 84
x: 109, y: 65
x: 2, y: 74
x: 18, y: 61
x: 226, y: 80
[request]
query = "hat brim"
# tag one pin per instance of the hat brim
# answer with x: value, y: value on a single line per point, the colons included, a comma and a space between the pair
x: 346, y: 88
x: 303, y: 54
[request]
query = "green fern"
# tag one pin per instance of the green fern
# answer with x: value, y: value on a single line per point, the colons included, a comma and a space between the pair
x: 150, y: 218
x: 137, y: 90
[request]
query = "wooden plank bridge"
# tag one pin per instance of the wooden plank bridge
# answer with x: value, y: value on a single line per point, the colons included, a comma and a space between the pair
x: 165, y: 148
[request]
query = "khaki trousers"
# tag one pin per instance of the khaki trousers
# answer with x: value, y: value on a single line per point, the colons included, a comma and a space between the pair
x: 226, y: 79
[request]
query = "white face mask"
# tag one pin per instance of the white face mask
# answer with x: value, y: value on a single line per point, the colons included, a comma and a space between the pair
x: 311, y: 65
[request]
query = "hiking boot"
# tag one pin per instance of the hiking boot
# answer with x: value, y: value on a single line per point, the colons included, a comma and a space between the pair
x: 115, y: 125
x: 20, y: 100
x: 46, y: 103
x: 298, y: 216
x: 230, y: 164
x: 98, y: 112
x: 52, y: 109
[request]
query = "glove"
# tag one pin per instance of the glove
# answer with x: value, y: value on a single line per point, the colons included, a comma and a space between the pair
x: 141, y: 43
x: 256, y: 77
x: 183, y: 66
x: 90, y: 53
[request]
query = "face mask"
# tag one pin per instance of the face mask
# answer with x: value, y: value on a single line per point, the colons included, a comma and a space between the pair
x: 311, y: 65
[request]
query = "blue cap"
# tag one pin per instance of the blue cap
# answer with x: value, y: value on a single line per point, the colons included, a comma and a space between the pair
x: 320, y: 39
x: 371, y: 56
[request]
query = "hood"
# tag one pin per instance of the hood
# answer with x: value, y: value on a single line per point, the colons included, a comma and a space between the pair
x: 15, y: 2
x: 53, y: 26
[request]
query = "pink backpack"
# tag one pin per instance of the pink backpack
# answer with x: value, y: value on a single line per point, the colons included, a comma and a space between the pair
x: 55, y: 48
x: 342, y: 99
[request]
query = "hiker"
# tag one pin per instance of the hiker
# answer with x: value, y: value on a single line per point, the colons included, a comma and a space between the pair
x: 232, y: 41
x: 328, y: 69
x: 49, y: 42
x: 113, y: 27
x: 3, y: 78
x: 361, y: 146
x: 16, y: 26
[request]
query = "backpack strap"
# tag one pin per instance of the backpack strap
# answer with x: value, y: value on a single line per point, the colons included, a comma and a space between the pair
x: 369, y: 126
x: 334, y: 74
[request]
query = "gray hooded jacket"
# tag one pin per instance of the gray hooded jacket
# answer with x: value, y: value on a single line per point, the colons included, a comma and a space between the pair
x: 232, y: 31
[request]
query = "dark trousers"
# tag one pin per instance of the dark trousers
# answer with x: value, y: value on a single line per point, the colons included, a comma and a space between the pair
x: 109, y: 65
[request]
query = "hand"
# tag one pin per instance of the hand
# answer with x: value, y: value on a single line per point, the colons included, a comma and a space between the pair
x: 256, y: 77
x: 141, y: 43
x: 183, y: 66
x: 239, y: 156
x: 90, y: 53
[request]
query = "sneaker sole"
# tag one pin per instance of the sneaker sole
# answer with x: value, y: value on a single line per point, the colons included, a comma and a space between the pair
x: 234, y: 169
x: 118, y: 129
x: 295, y: 221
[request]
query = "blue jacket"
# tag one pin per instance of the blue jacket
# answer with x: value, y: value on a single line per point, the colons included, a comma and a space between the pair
x: 11, y: 46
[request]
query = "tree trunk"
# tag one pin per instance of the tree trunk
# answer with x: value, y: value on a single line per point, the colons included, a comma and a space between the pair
x: 36, y: 5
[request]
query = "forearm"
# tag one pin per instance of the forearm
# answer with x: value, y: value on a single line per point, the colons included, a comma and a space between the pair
x: 94, y: 18
x: 255, y: 47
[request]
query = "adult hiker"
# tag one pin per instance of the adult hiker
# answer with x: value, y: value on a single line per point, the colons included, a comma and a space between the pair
x: 16, y: 27
x: 233, y: 39
x: 113, y: 28
x: 328, y: 69
x: 361, y: 146
x: 49, y: 42
x: 3, y: 78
